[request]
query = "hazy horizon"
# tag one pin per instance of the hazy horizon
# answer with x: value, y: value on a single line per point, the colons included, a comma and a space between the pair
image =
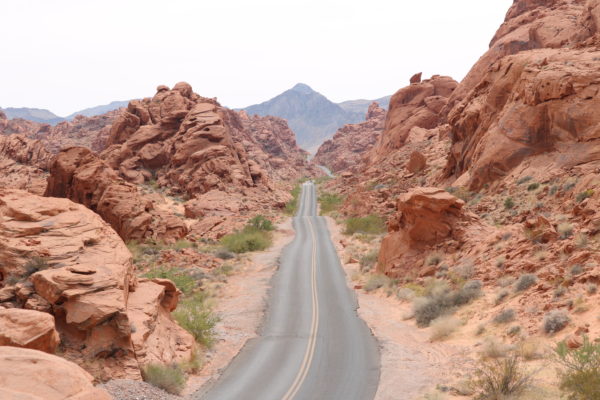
x: 65, y: 55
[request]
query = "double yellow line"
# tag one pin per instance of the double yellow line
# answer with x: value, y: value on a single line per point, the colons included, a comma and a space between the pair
x: 314, y: 328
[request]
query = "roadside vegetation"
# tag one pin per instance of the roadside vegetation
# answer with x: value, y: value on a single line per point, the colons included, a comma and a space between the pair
x: 255, y: 236
x: 330, y: 202
x: 371, y: 224
x: 291, y: 206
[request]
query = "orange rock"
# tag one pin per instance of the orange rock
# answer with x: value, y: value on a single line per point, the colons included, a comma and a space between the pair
x: 29, y: 329
x: 417, y: 162
x: 35, y: 375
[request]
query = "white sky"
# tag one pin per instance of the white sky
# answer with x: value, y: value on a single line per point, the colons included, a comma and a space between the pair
x: 66, y: 55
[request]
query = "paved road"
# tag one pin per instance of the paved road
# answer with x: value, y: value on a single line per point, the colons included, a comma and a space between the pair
x: 312, y: 346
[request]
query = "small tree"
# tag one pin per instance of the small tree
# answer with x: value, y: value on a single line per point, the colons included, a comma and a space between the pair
x: 580, y: 374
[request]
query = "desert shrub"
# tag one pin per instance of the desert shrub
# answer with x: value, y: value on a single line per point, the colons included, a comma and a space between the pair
x: 442, y: 300
x: 501, y: 379
x: 533, y: 187
x: 565, y: 230
x: 525, y: 179
x: 170, y: 378
x: 261, y: 223
x: 581, y: 240
x: 405, y: 294
x: 195, y: 316
x: 580, y: 372
x: 330, y: 202
x: 525, y: 281
x: 501, y: 296
x: 555, y: 321
x: 375, y: 282
x: 592, y: 288
x: 513, y: 330
x: 500, y: 261
x: 584, y: 195
x: 193, y: 364
x: 509, y: 203
x: 35, y: 264
x: 224, y: 254
x: 492, y: 348
x: 505, y: 281
x: 576, y: 269
x: 529, y: 349
x: 184, y: 282
x: 371, y: 224
x: 443, y: 327
x: 292, y: 206
x: 246, y: 240
x: 505, y: 316
x: 560, y: 292
x: 182, y: 244
x: 368, y: 260
x: 433, y: 259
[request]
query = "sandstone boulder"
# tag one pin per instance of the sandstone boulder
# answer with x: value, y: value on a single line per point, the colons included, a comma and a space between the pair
x: 29, y: 329
x: 88, y: 279
x: 35, y: 375
x: 416, y: 163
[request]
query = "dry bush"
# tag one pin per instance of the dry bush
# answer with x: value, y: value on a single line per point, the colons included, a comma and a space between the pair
x: 555, y: 321
x: 493, y: 348
x: 501, y: 379
x: 170, y: 378
x: 443, y: 327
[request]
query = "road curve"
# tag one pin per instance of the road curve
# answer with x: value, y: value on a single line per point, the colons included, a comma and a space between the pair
x: 312, y: 345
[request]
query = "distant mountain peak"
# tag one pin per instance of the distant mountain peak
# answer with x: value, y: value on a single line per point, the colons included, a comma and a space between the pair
x: 303, y: 88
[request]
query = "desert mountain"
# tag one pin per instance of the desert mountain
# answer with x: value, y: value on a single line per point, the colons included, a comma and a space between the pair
x: 312, y: 116
x: 48, y: 117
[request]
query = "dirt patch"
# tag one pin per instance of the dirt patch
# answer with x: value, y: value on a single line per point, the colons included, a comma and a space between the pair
x: 240, y: 305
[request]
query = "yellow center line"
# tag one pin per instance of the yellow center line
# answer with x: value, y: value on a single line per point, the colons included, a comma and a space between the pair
x: 312, y: 340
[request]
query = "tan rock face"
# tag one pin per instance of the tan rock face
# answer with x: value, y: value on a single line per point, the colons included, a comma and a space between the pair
x: 29, y: 329
x: 351, y: 142
x: 80, y: 175
x: 32, y: 375
x: 88, y: 281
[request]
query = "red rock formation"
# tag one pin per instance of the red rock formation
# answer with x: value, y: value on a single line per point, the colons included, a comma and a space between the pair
x: 35, y: 375
x: 86, y: 280
x: 80, y: 175
x: 23, y: 163
x: 425, y: 217
x: 532, y: 102
x: 91, y: 132
x: 418, y: 105
x: 350, y: 143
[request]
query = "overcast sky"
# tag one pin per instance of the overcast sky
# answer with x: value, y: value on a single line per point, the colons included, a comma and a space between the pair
x: 68, y: 55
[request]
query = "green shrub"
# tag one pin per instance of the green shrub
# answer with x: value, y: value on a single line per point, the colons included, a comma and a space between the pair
x: 180, y: 277
x: 525, y: 281
x: 35, y: 264
x: 329, y: 202
x: 525, y: 179
x: 502, y: 295
x: 533, y: 187
x: 434, y: 259
x: 505, y: 316
x: 371, y: 224
x: 261, y: 223
x: 170, y: 378
x: 584, y: 195
x: 246, y: 240
x: 195, y: 316
x: 555, y: 321
x: 368, y: 260
x: 224, y: 254
x: 375, y: 282
x: 182, y: 244
x: 580, y: 373
x: 292, y: 206
x: 442, y: 300
x: 509, y: 203
x: 501, y: 379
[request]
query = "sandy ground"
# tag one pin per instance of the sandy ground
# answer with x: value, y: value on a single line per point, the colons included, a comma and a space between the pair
x: 241, y: 304
x: 411, y: 366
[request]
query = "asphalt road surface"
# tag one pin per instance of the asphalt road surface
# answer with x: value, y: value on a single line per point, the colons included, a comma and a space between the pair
x: 312, y: 345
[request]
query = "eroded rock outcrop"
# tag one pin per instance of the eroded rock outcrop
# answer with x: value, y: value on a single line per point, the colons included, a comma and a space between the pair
x: 35, y: 375
x: 80, y: 175
x: 425, y: 218
x: 23, y: 163
x: 58, y: 256
x: 350, y: 143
